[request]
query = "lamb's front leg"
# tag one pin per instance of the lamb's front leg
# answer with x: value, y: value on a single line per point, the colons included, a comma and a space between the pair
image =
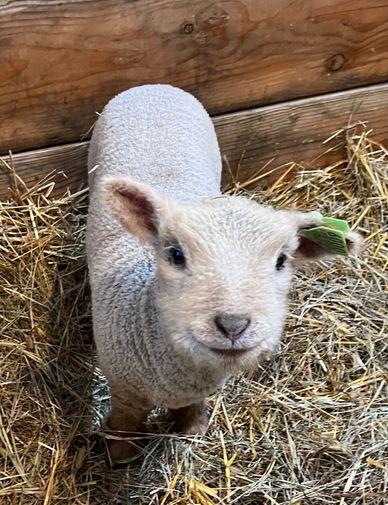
x: 191, y: 420
x: 125, y: 420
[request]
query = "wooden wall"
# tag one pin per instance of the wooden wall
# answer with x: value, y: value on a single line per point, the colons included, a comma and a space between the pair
x: 279, y: 76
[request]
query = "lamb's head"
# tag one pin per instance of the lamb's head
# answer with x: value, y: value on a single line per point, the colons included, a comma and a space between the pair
x: 224, y: 268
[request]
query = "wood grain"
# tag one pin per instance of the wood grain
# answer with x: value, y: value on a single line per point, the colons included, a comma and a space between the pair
x: 65, y: 165
x: 60, y: 62
x: 258, y: 140
x: 251, y: 142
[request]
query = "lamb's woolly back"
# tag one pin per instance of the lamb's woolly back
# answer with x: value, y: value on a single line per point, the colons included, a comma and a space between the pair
x: 161, y: 136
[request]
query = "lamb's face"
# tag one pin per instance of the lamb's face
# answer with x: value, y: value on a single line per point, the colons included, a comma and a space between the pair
x: 224, y: 272
x: 224, y: 269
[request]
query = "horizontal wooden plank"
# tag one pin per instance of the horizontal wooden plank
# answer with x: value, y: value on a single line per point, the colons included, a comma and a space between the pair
x: 60, y: 62
x: 251, y: 142
x: 65, y: 165
x: 258, y: 140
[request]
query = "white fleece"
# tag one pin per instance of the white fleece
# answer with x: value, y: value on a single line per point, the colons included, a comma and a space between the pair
x: 161, y: 136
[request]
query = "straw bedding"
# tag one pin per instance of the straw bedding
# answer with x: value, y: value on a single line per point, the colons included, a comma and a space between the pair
x: 310, y: 426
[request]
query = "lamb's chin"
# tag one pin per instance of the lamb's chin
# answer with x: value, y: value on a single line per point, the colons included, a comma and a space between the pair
x: 228, y: 359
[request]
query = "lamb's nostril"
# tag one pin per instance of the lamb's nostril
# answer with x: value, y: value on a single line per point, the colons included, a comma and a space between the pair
x: 232, y: 325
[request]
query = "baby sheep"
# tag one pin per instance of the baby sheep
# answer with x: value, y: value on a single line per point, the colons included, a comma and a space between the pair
x: 188, y: 286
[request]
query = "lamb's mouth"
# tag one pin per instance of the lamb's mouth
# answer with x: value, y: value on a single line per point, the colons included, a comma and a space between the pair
x: 231, y: 352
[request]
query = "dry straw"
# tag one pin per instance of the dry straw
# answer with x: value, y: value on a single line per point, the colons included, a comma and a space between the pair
x: 309, y: 427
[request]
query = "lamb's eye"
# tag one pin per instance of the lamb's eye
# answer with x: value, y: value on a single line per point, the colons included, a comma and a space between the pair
x: 176, y: 257
x: 281, y: 261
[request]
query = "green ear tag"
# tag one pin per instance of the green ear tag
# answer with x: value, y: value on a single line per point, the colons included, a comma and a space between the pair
x: 330, y: 235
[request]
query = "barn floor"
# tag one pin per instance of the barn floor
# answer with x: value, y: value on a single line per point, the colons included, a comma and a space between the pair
x: 310, y: 427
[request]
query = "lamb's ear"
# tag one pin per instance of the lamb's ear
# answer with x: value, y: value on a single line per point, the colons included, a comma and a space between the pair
x: 309, y: 250
x: 136, y: 206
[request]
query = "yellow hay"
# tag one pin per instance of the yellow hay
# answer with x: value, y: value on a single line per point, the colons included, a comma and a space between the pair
x: 309, y: 427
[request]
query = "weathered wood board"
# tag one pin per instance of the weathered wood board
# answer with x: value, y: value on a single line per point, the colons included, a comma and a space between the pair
x: 287, y: 132
x: 60, y: 62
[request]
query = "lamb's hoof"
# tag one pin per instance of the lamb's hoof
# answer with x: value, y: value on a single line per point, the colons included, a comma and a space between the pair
x: 191, y: 420
x: 196, y: 427
x: 120, y: 453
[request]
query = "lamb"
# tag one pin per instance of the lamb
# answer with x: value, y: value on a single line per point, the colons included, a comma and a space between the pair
x: 188, y: 286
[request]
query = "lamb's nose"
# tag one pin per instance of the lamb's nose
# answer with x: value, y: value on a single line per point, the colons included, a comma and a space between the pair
x: 232, y: 325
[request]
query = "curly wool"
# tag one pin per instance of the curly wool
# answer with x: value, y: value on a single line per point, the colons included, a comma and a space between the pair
x: 161, y: 136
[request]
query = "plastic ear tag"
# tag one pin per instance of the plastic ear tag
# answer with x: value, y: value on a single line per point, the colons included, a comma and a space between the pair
x: 330, y: 235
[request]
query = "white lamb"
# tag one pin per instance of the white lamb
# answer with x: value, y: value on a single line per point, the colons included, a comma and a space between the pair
x: 188, y: 287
